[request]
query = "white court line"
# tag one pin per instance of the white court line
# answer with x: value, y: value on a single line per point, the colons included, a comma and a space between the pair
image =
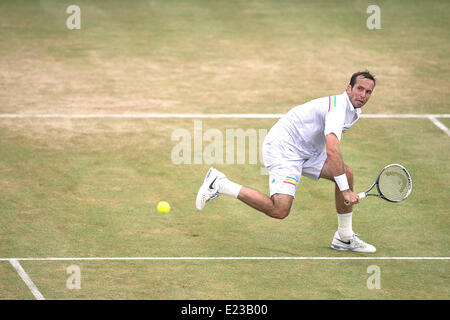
x: 405, y: 116
x: 199, y: 115
x: 147, y: 115
x: 34, y: 290
x: 431, y: 117
x: 439, y: 124
x: 219, y: 258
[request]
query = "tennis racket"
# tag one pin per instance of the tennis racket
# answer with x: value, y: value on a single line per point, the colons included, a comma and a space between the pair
x: 394, y: 184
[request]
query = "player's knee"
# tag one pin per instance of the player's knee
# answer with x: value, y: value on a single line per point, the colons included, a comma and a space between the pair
x: 281, y: 206
x: 280, y: 213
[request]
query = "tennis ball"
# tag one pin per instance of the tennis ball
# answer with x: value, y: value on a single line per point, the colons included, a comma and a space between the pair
x: 163, y: 207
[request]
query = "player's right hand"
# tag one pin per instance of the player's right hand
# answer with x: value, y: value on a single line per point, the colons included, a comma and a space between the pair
x: 350, y: 197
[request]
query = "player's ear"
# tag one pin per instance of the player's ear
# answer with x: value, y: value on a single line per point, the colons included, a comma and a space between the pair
x: 349, y: 89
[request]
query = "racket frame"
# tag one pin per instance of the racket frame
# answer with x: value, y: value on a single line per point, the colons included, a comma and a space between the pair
x: 380, y: 194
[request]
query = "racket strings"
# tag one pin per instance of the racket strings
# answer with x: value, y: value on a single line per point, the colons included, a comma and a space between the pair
x: 394, y: 183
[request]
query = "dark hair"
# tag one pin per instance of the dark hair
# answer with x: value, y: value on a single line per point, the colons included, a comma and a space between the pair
x: 365, y: 74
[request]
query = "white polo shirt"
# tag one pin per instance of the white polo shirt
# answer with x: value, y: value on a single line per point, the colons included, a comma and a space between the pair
x: 301, y: 132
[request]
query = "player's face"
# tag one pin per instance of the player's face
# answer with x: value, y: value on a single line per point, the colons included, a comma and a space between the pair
x: 361, y: 91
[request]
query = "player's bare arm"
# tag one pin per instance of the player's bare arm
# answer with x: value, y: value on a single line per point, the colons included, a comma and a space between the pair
x: 335, y: 166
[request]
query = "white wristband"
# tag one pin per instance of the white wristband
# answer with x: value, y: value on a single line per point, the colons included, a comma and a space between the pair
x: 342, y: 182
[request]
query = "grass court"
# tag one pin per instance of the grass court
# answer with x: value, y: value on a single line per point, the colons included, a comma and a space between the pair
x: 74, y: 187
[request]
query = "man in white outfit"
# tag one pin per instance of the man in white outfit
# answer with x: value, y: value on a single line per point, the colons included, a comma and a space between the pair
x: 305, y: 142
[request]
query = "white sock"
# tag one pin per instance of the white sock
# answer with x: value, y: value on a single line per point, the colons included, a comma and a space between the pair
x: 229, y: 188
x: 345, y: 226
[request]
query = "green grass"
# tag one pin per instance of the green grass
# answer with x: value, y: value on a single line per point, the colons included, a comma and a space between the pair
x: 89, y: 188
x: 286, y: 280
x: 203, y: 56
x: 72, y: 193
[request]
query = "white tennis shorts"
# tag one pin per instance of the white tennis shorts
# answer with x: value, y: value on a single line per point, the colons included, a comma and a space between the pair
x: 286, y: 169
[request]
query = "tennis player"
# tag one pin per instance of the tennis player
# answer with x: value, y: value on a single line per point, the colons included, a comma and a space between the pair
x: 305, y: 142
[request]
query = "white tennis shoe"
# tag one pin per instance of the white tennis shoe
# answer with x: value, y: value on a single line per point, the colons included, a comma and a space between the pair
x: 209, y: 189
x: 355, y: 244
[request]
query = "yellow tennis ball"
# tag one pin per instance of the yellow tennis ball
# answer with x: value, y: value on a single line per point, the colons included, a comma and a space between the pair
x: 163, y: 207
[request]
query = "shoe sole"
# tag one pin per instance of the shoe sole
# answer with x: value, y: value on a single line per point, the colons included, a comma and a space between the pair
x: 339, y: 248
x: 202, y: 190
x: 198, y: 199
x: 335, y: 247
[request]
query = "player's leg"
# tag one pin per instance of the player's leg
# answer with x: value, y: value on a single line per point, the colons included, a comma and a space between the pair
x: 278, y: 206
x: 344, y: 238
x: 345, y: 212
x: 284, y: 174
x: 216, y: 183
x: 341, y: 207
